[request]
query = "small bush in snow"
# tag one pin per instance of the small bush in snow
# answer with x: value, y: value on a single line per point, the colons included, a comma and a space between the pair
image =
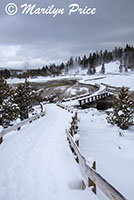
x: 123, y: 111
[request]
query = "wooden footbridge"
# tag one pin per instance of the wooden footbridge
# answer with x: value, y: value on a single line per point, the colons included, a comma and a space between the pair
x: 102, y: 100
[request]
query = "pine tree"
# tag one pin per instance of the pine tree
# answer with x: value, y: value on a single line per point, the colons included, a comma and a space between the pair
x: 126, y: 69
x: 8, y: 109
x: 94, y: 70
x: 89, y: 71
x: 79, y: 60
x: 9, y: 112
x: 24, y: 96
x: 103, y: 69
x: 121, y: 67
x: 71, y: 62
x: 84, y: 61
x: 123, y: 111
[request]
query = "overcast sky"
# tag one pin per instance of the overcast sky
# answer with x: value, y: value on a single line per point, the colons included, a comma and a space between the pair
x: 33, y: 41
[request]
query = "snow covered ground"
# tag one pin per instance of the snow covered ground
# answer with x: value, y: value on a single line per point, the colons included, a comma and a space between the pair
x: 113, y: 154
x: 74, y: 91
x: 112, y: 67
x: 111, y: 77
x: 115, y: 80
x: 37, y: 163
x: 40, y: 79
x: 126, y: 80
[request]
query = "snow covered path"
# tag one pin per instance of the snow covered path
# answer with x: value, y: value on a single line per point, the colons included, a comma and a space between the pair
x: 37, y: 164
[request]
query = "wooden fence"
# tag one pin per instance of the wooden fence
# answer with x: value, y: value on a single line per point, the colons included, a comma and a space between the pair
x: 94, y: 178
x: 71, y: 110
x: 19, y: 125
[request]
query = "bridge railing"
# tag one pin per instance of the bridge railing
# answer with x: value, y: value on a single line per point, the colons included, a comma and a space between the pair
x: 94, y: 178
x: 19, y: 125
x: 80, y: 96
x: 108, y: 89
x: 75, y: 98
x: 93, y: 98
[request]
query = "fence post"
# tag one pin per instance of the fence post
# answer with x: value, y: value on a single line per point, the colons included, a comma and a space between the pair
x: 72, y: 130
x: 77, y: 159
x: 83, y: 185
x: 18, y: 129
x: 90, y: 182
x: 80, y: 102
x: 1, y: 140
x: 75, y: 115
x: 77, y: 142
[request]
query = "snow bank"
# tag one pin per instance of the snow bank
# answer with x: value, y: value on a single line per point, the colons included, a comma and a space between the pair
x: 111, y: 77
x: 112, y: 67
x: 112, y: 153
x: 118, y: 80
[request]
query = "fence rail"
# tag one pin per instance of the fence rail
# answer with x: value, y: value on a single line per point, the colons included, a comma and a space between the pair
x: 65, y: 107
x: 19, y: 125
x: 94, y: 98
x: 75, y: 98
x: 94, y: 178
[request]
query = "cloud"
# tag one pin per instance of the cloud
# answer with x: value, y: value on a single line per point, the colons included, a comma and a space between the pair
x: 33, y: 41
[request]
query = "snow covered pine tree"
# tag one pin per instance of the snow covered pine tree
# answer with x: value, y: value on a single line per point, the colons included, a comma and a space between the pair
x: 24, y: 96
x: 103, y: 69
x: 123, y: 110
x: 8, y: 109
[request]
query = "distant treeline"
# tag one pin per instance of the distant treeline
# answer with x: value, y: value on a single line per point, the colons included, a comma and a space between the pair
x: 90, y: 62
